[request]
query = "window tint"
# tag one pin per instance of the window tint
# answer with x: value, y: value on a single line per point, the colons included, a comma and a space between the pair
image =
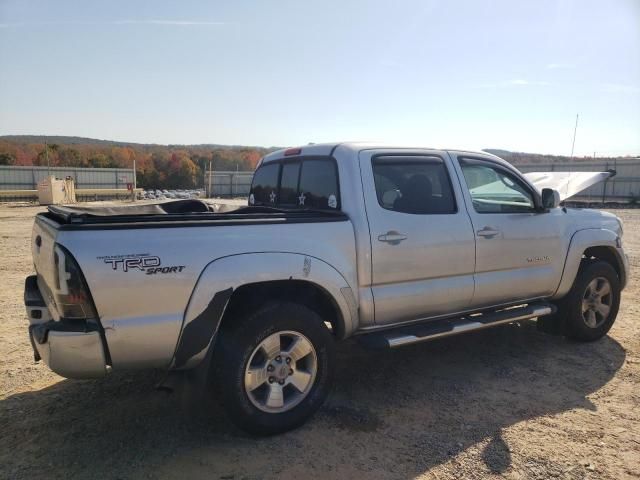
x: 308, y: 183
x: 318, y: 185
x: 264, y: 188
x: 495, y: 190
x: 418, y: 185
x: 289, y: 184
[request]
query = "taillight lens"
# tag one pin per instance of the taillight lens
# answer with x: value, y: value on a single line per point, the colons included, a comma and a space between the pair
x: 72, y: 296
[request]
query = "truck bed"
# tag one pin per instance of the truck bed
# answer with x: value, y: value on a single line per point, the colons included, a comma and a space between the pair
x: 175, y: 214
x: 143, y: 308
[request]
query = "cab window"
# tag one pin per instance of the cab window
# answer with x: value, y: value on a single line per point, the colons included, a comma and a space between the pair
x: 264, y: 188
x: 417, y: 185
x: 318, y: 185
x: 288, y: 196
x: 301, y: 183
x: 495, y: 190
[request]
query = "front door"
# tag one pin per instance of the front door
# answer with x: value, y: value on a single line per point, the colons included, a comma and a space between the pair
x: 519, y: 248
x: 422, y: 241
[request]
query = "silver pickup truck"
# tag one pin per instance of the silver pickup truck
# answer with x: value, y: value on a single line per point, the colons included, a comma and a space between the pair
x: 392, y: 246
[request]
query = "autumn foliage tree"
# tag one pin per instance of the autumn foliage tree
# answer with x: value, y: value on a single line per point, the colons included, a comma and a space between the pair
x: 157, y: 166
x: 7, y: 159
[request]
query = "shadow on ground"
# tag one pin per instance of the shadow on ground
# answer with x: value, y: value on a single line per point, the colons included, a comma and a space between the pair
x: 393, y: 414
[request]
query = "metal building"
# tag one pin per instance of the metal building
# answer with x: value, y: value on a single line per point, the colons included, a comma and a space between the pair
x: 20, y: 183
x: 228, y: 184
x: 624, y: 187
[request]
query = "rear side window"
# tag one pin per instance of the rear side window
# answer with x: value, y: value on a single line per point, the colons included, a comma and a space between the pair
x: 264, y: 189
x: 418, y: 185
x: 303, y: 183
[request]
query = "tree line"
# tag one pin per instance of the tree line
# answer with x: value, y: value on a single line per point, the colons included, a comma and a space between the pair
x: 157, y: 166
x: 169, y: 166
x: 517, y: 158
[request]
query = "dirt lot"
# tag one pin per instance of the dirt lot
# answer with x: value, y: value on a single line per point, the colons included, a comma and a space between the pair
x: 506, y: 402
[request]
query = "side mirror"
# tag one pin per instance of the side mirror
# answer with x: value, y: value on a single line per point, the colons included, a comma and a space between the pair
x: 550, y: 198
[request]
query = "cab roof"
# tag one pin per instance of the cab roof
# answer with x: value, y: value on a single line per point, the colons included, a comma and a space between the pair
x: 327, y: 149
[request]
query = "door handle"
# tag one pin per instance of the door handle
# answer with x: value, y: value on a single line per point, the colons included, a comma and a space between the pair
x: 392, y: 237
x: 488, y: 232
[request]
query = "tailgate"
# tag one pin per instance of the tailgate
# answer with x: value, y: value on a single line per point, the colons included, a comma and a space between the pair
x: 43, y: 238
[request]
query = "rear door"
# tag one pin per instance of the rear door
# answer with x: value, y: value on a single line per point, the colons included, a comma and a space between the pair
x: 422, y: 242
x: 519, y: 248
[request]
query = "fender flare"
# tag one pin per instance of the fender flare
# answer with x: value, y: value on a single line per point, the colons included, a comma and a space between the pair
x: 580, y: 241
x: 221, y: 277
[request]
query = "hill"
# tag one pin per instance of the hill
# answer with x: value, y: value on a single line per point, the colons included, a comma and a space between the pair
x: 517, y: 158
x: 69, y: 140
x: 157, y: 166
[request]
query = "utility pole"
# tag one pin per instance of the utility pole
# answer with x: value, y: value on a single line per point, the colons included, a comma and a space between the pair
x: 210, y: 175
x: 573, y: 144
x: 575, y: 130
x: 46, y: 154
x: 133, y: 192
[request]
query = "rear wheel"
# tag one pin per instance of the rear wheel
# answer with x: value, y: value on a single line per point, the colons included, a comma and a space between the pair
x: 273, y: 368
x: 590, y: 308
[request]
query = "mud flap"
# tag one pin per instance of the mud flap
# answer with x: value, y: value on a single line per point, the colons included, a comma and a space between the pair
x: 200, y: 332
x: 36, y: 354
x: 198, y: 335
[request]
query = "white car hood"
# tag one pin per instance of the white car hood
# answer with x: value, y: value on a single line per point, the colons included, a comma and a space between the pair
x: 567, y: 184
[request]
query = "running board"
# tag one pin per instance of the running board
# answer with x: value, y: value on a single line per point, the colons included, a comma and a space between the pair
x: 398, y: 337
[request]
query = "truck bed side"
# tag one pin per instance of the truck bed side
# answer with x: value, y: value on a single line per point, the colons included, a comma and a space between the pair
x: 141, y: 277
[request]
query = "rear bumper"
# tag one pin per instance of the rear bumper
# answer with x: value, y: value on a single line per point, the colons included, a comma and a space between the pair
x: 72, y: 349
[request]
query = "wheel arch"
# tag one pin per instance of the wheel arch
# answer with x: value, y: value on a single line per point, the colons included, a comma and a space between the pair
x: 591, y: 243
x: 251, y: 296
x: 236, y: 283
x: 607, y: 254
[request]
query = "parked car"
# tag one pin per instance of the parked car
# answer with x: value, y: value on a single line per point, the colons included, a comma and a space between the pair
x: 392, y: 246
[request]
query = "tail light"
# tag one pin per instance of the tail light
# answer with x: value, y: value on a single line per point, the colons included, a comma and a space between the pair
x: 72, y: 297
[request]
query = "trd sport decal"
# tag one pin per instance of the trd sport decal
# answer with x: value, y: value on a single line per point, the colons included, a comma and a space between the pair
x: 150, y: 264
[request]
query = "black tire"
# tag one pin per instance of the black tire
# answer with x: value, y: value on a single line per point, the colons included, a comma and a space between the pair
x: 570, y: 307
x: 234, y: 349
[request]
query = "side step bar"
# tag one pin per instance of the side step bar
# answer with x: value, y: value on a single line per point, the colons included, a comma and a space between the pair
x: 423, y: 332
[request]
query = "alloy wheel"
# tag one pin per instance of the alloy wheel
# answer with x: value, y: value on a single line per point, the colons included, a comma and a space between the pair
x: 280, y: 372
x: 596, y: 302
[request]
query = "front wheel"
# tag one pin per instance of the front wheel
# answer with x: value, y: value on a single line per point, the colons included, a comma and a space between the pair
x: 591, y: 307
x: 274, y: 368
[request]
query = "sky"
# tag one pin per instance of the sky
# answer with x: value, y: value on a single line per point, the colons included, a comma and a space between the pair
x: 452, y: 74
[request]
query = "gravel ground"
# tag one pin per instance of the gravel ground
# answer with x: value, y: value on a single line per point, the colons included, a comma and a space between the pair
x: 507, y: 402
